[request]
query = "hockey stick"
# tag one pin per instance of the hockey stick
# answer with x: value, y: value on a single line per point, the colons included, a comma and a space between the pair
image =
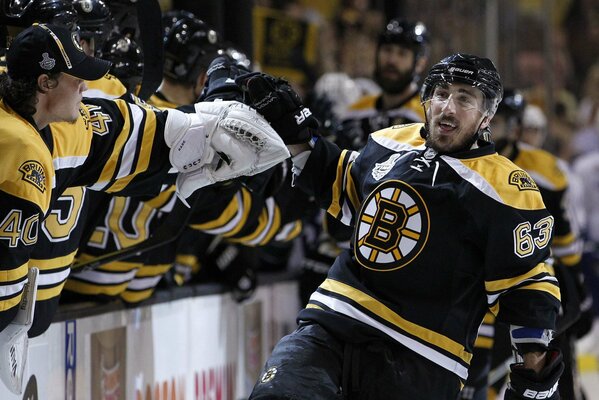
x: 170, y: 229
x: 14, y: 341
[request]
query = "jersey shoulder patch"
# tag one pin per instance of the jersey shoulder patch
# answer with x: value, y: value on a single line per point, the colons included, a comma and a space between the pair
x: 503, y: 180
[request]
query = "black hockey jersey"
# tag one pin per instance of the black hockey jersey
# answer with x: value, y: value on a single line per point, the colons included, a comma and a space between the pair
x: 438, y: 239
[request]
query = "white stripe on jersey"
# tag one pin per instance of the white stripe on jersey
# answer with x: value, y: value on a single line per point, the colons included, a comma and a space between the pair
x: 234, y: 221
x: 129, y: 151
x: 270, y: 209
x: 425, y: 351
x: 473, y: 177
x: 144, y: 283
x: 68, y: 162
x: 10, y: 290
x: 53, y: 278
x: 103, y: 277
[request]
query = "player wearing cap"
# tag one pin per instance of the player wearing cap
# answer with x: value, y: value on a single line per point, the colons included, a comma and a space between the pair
x: 112, y: 146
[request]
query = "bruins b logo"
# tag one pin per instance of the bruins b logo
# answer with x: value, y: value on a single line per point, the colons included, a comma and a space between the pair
x: 392, y: 227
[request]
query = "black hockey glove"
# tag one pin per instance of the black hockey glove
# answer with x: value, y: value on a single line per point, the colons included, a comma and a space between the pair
x: 526, y: 384
x: 234, y: 269
x: 220, y: 83
x: 276, y: 100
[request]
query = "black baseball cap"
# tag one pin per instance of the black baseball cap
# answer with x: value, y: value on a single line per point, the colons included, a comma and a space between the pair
x: 45, y: 48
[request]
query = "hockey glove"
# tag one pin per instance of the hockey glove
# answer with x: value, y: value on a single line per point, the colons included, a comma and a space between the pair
x: 222, y: 141
x: 234, y: 268
x: 527, y: 384
x: 276, y: 100
x: 220, y: 83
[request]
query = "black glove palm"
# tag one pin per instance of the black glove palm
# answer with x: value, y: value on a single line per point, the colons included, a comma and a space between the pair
x: 276, y: 100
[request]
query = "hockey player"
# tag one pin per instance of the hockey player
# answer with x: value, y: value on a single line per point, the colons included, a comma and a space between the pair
x: 444, y: 228
x: 401, y: 56
x: 551, y: 176
x: 190, y: 45
x: 53, y: 141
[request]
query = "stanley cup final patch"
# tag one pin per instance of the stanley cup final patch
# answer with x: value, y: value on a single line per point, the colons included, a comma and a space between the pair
x: 33, y: 172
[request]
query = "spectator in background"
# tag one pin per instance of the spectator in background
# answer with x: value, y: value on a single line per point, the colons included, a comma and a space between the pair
x: 586, y: 138
x: 534, y: 126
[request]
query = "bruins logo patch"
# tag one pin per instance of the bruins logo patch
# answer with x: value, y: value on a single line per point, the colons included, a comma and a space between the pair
x: 392, y: 228
x: 522, y: 180
x: 269, y: 375
x: 33, y: 172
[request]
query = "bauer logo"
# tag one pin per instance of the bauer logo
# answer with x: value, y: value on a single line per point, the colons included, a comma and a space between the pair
x: 33, y: 172
x: 461, y: 70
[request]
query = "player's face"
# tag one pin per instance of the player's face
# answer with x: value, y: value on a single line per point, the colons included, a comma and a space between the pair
x: 395, y: 66
x: 65, y: 99
x: 454, y: 114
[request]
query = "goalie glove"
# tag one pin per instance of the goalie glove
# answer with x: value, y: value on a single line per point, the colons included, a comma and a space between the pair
x: 276, y: 100
x: 14, y: 342
x: 222, y: 141
x: 527, y: 384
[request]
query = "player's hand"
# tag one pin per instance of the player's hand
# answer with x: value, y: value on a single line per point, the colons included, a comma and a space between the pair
x: 282, y: 107
x: 220, y: 81
x: 525, y: 383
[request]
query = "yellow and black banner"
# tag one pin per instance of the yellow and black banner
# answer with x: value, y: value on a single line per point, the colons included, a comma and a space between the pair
x: 283, y: 45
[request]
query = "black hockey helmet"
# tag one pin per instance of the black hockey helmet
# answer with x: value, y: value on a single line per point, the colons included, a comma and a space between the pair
x: 23, y: 13
x: 479, y: 72
x: 512, y: 105
x: 189, y: 47
x: 127, y: 59
x: 413, y: 35
x: 171, y: 17
x: 95, y: 21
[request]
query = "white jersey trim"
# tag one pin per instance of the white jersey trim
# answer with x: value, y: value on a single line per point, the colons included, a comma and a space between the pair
x: 425, y: 351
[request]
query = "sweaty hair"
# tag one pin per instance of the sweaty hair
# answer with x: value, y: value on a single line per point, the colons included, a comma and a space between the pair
x: 19, y: 94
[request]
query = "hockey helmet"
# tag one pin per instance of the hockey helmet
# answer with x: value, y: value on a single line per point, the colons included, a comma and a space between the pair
x: 479, y: 72
x: 512, y: 105
x: 126, y: 58
x: 189, y: 47
x: 413, y: 35
x: 23, y: 13
x: 95, y: 20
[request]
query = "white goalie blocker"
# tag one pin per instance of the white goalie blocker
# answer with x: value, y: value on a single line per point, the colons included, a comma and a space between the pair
x: 222, y: 141
x: 14, y: 342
